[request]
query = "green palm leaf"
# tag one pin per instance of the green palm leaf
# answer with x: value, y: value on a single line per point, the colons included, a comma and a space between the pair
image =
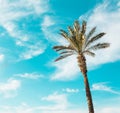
x: 66, y: 52
x: 57, y: 48
x: 63, y: 48
x: 90, y: 33
x: 95, y: 38
x: 63, y: 56
x: 99, y: 46
x: 64, y: 34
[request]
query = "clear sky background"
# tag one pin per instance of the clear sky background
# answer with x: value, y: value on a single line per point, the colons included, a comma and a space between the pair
x: 30, y: 80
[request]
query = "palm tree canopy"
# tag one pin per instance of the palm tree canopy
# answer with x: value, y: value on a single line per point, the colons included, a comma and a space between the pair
x: 79, y: 41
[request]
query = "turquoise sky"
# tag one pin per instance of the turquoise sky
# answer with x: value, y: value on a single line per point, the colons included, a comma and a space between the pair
x: 30, y: 80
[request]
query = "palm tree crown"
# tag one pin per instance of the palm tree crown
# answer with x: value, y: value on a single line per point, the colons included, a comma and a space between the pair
x: 79, y: 42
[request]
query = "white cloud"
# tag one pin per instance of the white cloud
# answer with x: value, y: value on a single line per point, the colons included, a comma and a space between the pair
x: 11, y: 13
x: 25, y: 108
x: 9, y: 88
x: 28, y: 109
x: 110, y: 110
x: 59, y: 103
x: 47, y: 22
x: 2, y: 57
x: 103, y: 87
x: 66, y: 69
x: 33, y: 50
x: 49, y: 27
x: 39, y: 6
x: 55, y: 105
x: 69, y: 90
x: 57, y: 99
x: 7, y: 13
x: 46, y: 25
x: 106, y: 17
x: 11, y: 28
x: 13, y: 10
x: 30, y: 75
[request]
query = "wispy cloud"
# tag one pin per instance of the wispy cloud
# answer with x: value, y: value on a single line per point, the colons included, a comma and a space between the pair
x: 47, y: 22
x: 57, y: 99
x: 29, y: 75
x: 50, y: 28
x: 12, y: 13
x: 9, y: 88
x: 69, y: 90
x: 33, y: 50
x: 102, y: 86
x: 13, y: 10
x: 47, y: 27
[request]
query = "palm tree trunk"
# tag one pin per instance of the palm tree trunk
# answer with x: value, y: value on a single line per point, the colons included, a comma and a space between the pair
x: 83, y: 68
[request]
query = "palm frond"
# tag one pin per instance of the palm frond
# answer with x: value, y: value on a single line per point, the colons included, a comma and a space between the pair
x: 76, y: 26
x: 63, y: 56
x: 99, y: 46
x: 71, y: 31
x: 84, y: 23
x: 58, y: 48
x: 64, y: 34
x: 95, y: 38
x: 90, y: 33
x: 87, y: 52
x: 66, y: 52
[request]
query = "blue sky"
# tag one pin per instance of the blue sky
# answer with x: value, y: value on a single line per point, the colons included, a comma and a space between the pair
x: 31, y: 82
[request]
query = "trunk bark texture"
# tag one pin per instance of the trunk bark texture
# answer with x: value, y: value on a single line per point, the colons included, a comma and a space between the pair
x: 83, y: 68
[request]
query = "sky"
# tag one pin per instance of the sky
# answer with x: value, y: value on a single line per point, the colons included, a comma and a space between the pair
x: 30, y: 80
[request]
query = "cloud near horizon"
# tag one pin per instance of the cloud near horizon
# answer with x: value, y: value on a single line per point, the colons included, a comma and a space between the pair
x: 9, y: 88
x: 55, y: 106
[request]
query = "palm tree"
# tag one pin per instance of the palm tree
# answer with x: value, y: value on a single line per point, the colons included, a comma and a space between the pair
x: 81, y: 44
